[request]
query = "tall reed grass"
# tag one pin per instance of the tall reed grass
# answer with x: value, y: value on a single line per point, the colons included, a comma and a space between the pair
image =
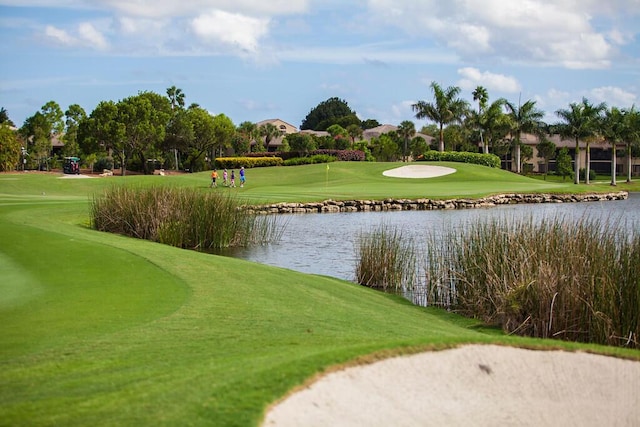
x: 386, y: 260
x: 552, y: 278
x: 181, y: 217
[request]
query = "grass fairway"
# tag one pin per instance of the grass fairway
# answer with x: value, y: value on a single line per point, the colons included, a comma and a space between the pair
x: 98, y: 329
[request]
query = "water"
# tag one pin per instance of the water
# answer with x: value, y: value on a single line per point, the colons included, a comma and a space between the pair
x: 325, y: 244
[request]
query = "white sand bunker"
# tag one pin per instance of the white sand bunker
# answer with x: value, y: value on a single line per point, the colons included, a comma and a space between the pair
x: 74, y: 176
x: 479, y: 385
x: 418, y: 171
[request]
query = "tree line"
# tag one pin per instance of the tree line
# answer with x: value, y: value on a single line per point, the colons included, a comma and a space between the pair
x: 149, y: 129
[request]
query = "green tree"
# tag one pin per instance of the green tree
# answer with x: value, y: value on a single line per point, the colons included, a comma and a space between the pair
x: 332, y: 111
x: 10, y: 148
x: 481, y: 95
x: 4, y: 118
x: 524, y: 118
x: 205, y: 137
x: 406, y: 131
x: 246, y: 133
x: 614, y: 131
x: 447, y: 108
x: 369, y: 124
x: 269, y: 132
x: 223, y: 129
x: 101, y: 131
x: 563, y: 163
x: 546, y: 150
x: 632, y: 135
x: 419, y: 146
x: 580, y: 121
x: 145, y: 118
x: 179, y: 134
x: 385, y: 148
x: 355, y: 132
x: 74, y: 115
x: 301, y: 142
x: 176, y: 97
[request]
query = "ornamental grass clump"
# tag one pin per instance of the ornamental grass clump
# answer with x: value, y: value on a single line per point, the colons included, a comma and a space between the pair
x: 551, y: 278
x: 181, y: 217
x: 386, y: 260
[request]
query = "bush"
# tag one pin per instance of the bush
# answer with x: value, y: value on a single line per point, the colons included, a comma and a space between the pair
x: 490, y: 160
x: 318, y: 158
x: 592, y: 174
x: 247, y: 162
x: 553, y: 278
x: 103, y: 163
x: 342, y: 155
x: 181, y: 217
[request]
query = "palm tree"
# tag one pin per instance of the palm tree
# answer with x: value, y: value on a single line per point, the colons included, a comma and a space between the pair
x: 524, y: 118
x: 613, y: 130
x: 176, y: 96
x: 269, y: 131
x: 406, y: 130
x: 580, y: 122
x: 632, y: 134
x: 448, y: 108
x: 481, y: 95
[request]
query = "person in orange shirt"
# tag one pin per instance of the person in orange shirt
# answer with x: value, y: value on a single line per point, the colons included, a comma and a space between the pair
x: 214, y: 176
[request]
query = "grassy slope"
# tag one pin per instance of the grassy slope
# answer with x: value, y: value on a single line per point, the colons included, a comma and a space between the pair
x: 101, y: 329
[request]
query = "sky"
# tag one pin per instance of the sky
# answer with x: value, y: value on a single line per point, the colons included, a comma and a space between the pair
x: 254, y: 59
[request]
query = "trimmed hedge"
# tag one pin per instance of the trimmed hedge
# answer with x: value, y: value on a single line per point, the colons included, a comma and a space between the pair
x: 318, y: 158
x: 490, y: 160
x: 247, y: 162
x: 341, y: 155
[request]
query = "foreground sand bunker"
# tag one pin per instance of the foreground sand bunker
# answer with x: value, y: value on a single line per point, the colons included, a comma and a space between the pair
x: 480, y: 385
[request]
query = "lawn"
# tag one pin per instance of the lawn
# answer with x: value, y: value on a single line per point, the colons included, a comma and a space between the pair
x: 99, y: 329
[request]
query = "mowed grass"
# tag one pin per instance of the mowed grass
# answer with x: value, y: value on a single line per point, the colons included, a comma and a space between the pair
x: 106, y: 330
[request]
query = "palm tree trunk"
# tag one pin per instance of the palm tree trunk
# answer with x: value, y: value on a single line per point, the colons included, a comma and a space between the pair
x: 613, y: 164
x: 576, y: 179
x: 441, y: 143
x: 588, y: 165
x: 628, y: 162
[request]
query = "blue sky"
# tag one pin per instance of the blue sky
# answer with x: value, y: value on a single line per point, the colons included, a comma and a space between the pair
x: 256, y: 59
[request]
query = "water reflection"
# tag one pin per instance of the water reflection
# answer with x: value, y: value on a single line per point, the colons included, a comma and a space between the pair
x: 325, y: 243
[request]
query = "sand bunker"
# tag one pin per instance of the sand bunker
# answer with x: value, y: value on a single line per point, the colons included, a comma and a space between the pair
x: 418, y: 171
x: 480, y: 385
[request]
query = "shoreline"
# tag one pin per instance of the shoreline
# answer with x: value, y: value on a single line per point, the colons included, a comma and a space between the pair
x: 391, y: 204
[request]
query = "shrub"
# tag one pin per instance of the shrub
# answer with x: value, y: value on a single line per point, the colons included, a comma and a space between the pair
x: 180, y: 217
x: 592, y: 174
x: 247, y: 162
x: 385, y: 260
x: 550, y: 278
x: 318, y: 158
x: 490, y: 160
x: 342, y: 155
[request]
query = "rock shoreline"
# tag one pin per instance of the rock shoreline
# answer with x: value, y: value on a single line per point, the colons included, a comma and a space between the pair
x: 333, y: 206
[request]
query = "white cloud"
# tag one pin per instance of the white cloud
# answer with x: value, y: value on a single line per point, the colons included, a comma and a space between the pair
x: 89, y: 35
x: 59, y: 36
x: 86, y: 35
x: 472, y: 78
x: 543, y: 32
x: 614, y: 96
x: 231, y: 29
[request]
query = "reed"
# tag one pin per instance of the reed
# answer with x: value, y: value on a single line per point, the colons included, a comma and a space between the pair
x: 181, y: 217
x: 386, y: 260
x: 561, y: 278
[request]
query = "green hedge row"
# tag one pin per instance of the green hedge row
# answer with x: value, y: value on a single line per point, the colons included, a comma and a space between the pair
x: 490, y: 160
x: 247, y: 162
x: 318, y: 158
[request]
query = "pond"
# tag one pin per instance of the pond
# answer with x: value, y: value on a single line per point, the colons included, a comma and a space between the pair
x: 325, y: 243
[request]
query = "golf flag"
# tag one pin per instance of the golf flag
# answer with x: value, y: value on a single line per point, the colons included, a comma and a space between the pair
x: 327, y: 166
